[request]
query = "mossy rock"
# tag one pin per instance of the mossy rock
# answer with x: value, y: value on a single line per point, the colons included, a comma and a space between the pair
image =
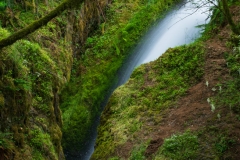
x: 3, y: 32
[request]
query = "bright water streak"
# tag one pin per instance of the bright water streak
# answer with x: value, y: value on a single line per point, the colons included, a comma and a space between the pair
x: 178, y: 28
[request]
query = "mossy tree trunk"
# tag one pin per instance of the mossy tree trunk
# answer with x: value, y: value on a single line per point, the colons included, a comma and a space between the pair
x: 222, y: 5
x: 228, y: 16
x: 39, y: 23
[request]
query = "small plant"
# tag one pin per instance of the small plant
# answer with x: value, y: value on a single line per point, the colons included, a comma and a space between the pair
x: 4, y: 137
x: 208, y: 100
x: 219, y: 116
x: 207, y: 83
x: 138, y: 153
x: 37, y: 155
x: 238, y: 117
x: 229, y: 96
x: 229, y: 91
x: 23, y: 84
x: 181, y: 146
x: 212, y: 107
x: 2, y: 6
x: 211, y: 103
x: 114, y: 158
x: 223, y: 143
x: 3, y: 33
x: 41, y: 142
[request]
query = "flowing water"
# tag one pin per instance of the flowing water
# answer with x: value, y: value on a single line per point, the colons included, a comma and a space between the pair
x: 177, y: 28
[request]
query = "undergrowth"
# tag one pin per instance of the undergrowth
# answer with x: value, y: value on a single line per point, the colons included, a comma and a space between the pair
x: 138, y: 152
x: 32, y: 73
x: 156, y: 86
x: 151, y: 89
x: 229, y: 95
x: 104, y: 53
x: 180, y: 146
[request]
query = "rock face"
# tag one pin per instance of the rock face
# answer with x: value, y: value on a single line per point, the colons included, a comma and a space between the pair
x: 30, y: 115
x: 33, y: 72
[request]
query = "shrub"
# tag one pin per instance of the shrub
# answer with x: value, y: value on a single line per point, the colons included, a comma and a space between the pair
x: 181, y: 146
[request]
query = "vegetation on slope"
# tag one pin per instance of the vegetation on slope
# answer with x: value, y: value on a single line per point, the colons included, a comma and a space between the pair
x: 105, y: 51
x: 32, y: 73
x: 152, y: 88
x: 184, y: 105
x: 35, y: 70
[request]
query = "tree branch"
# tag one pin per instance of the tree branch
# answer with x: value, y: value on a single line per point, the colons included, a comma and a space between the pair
x: 199, y: 7
x: 38, y: 23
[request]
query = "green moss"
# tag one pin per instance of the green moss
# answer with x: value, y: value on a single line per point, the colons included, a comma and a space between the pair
x: 105, y: 52
x: 138, y: 152
x: 181, y: 146
x: 156, y: 86
x: 38, y: 23
x: 219, y: 142
x: 32, y: 73
x: 3, y: 33
x: 37, y: 155
x: 5, y: 140
x: 152, y: 88
x: 42, y: 142
x: 228, y: 92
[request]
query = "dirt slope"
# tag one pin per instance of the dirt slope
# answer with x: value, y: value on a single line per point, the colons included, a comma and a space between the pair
x: 193, y: 111
x: 134, y: 105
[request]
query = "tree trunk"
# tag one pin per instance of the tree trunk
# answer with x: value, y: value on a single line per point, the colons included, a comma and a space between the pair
x: 228, y: 16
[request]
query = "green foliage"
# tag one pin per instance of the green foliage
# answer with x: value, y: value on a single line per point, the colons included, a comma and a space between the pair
x: 38, y: 138
x: 222, y: 144
x: 32, y: 73
x: 3, y: 33
x: 217, y: 16
x: 181, y: 146
x: 4, y: 140
x: 73, y: 124
x: 234, y: 58
x: 37, y: 155
x: 23, y: 84
x: 37, y: 71
x: 238, y: 117
x: 215, y: 142
x: 229, y: 95
x: 105, y: 51
x: 172, y: 74
x: 141, y: 99
x: 2, y: 5
x: 38, y: 23
x: 42, y: 142
x: 114, y: 158
x: 138, y: 153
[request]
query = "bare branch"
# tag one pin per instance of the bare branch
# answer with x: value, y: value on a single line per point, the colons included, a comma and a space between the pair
x: 198, y: 7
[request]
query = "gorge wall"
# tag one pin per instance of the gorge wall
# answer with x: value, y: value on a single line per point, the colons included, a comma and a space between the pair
x: 33, y: 72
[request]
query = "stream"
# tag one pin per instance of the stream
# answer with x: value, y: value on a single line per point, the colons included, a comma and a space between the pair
x: 178, y: 27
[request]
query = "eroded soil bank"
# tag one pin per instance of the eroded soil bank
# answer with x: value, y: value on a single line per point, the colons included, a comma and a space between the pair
x: 136, y: 126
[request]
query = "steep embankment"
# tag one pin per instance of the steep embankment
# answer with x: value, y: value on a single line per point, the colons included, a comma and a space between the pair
x: 94, y: 72
x: 33, y: 72
x: 184, y: 105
